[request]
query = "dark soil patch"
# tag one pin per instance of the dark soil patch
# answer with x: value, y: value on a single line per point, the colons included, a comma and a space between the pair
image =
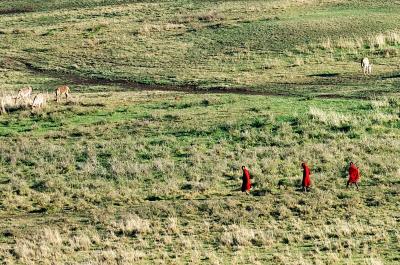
x: 285, y: 87
x: 15, y: 10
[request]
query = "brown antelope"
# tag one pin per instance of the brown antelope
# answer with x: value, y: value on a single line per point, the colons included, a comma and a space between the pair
x: 38, y: 101
x: 62, y: 90
x: 366, y: 66
x: 24, y: 94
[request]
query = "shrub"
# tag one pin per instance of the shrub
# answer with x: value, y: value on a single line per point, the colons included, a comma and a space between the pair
x: 132, y: 225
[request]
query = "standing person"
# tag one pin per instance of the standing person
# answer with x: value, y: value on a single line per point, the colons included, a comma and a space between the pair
x: 246, y: 184
x: 354, y: 175
x: 306, y: 183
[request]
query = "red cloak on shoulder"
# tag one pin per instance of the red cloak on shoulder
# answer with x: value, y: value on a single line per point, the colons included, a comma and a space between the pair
x: 246, y: 184
x: 354, y: 174
x: 306, y: 176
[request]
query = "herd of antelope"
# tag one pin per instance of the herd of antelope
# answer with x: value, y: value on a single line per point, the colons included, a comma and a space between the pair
x: 25, y: 98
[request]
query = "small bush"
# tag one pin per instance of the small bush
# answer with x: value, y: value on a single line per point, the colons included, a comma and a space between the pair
x: 259, y: 122
x: 237, y: 236
x: 332, y: 119
x: 132, y: 225
x: 209, y: 16
x: 394, y: 102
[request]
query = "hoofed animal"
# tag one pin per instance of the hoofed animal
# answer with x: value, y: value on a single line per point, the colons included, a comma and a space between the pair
x: 366, y: 66
x: 2, y: 106
x: 62, y: 90
x: 24, y: 93
x: 39, y: 101
x: 6, y: 102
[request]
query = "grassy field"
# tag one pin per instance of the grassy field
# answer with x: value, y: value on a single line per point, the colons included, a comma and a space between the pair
x: 286, y: 47
x: 141, y: 176
x: 142, y: 165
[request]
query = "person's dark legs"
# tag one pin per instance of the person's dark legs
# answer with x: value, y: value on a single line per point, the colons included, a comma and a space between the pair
x: 356, y: 185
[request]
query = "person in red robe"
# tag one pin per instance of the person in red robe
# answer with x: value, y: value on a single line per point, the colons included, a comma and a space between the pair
x: 246, y: 184
x: 354, y: 175
x: 306, y: 183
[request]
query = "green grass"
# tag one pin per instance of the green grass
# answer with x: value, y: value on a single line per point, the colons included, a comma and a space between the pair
x: 163, y: 160
x: 124, y: 173
x: 263, y: 45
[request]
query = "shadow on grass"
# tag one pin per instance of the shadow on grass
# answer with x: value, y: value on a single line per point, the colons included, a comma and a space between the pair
x: 325, y: 75
x: 260, y: 192
x: 16, y: 10
x: 391, y: 76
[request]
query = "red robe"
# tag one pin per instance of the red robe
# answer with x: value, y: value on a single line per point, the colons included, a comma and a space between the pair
x: 306, y: 177
x: 354, y: 174
x: 246, y: 184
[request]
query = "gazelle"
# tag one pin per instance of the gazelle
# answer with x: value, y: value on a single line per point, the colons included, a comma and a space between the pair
x: 24, y: 94
x: 366, y: 66
x: 62, y: 90
x: 39, y: 101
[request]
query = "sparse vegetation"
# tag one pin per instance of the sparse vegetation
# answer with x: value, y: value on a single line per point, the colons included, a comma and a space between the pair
x: 121, y: 173
x: 130, y: 184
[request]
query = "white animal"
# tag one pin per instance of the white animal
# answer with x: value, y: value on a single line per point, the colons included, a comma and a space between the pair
x: 24, y: 93
x: 366, y: 66
x: 38, y: 101
x: 2, y: 106
x: 6, y: 102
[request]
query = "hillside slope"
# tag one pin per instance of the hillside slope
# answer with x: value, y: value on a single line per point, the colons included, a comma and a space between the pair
x: 284, y: 47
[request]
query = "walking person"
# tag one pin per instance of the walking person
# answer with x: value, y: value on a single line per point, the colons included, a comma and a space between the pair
x: 306, y: 183
x: 246, y: 184
x: 354, y: 175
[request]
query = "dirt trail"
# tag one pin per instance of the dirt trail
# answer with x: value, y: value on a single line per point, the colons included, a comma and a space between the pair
x: 79, y: 80
x: 285, y: 89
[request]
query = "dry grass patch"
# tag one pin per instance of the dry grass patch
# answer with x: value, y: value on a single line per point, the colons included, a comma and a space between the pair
x: 384, y: 43
x: 131, y: 225
x: 42, y: 245
x: 329, y: 118
x: 239, y: 236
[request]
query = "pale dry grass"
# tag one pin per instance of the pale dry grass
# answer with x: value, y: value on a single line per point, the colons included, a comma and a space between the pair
x: 381, y: 103
x: 132, y: 225
x: 345, y: 43
x: 326, y: 44
x: 271, y: 63
x: 46, y: 245
x: 238, y: 236
x: 147, y: 28
x: 384, y: 42
x: 328, y: 118
x: 298, y: 61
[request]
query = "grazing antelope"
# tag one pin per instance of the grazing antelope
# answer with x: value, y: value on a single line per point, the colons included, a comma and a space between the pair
x: 2, y: 106
x: 6, y: 101
x: 366, y: 66
x: 24, y: 94
x: 38, y: 101
x: 62, y: 90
